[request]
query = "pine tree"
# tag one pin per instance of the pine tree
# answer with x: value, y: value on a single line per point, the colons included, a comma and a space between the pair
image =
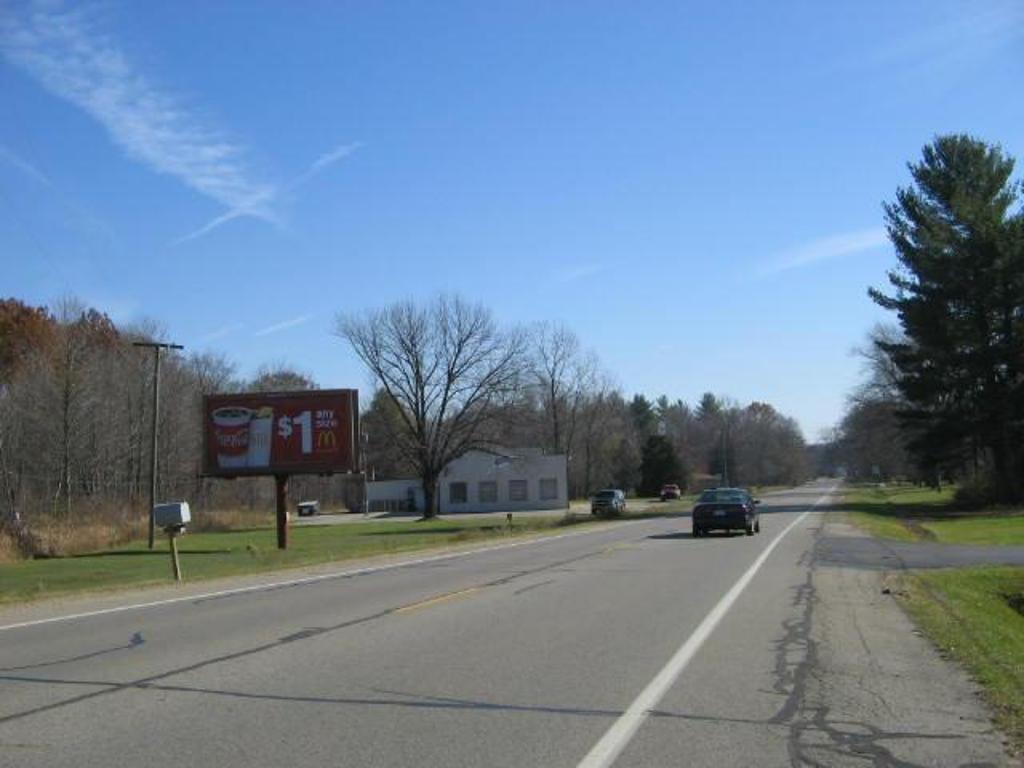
x: 659, y: 464
x: 959, y: 296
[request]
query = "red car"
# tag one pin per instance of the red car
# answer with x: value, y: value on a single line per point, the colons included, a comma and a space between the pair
x: 670, y: 491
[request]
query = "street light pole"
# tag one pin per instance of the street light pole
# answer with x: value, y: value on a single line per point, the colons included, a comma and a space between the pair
x: 157, y: 347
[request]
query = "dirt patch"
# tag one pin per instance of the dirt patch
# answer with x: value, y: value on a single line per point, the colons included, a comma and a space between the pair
x: 920, y: 532
x: 1016, y: 601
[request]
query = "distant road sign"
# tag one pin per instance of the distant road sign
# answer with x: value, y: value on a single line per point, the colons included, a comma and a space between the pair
x: 272, y: 433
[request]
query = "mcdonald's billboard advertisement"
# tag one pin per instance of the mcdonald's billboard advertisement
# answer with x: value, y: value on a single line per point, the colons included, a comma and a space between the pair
x: 281, y: 433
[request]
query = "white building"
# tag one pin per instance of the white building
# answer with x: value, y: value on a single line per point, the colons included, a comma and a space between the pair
x: 496, y: 480
x: 395, y: 495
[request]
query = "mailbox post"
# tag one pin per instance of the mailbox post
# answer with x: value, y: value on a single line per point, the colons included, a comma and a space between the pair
x: 172, y: 536
x: 173, y: 517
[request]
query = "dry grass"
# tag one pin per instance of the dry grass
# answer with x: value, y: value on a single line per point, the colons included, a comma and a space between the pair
x: 230, y: 520
x: 86, y: 533
x: 101, y: 528
x: 94, y: 530
x: 8, y: 549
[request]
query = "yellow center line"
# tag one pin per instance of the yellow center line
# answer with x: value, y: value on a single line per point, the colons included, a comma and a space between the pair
x: 435, y: 600
x: 617, y: 548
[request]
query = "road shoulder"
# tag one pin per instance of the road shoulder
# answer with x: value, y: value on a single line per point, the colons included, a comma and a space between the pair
x: 874, y: 686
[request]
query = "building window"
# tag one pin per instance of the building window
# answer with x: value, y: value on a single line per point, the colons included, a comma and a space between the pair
x: 517, y: 490
x: 488, y: 491
x: 548, y: 488
x: 457, y: 493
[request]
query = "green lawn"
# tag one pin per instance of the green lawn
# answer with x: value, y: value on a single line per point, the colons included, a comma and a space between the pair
x: 967, y: 614
x: 909, y: 513
x: 1005, y: 530
x: 212, y: 555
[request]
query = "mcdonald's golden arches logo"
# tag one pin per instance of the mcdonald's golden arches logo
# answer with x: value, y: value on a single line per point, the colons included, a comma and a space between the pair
x: 326, y: 441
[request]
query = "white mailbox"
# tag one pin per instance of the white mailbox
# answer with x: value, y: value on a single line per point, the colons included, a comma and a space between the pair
x: 174, y: 514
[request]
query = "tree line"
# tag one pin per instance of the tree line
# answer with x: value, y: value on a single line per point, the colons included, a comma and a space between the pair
x: 450, y: 379
x: 943, y: 399
x: 76, y: 410
x: 76, y: 415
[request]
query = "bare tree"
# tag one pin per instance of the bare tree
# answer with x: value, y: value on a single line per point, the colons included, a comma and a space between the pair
x: 597, y: 415
x: 11, y: 520
x: 213, y: 372
x: 449, y: 370
x: 560, y: 371
x: 880, y: 370
x: 280, y: 377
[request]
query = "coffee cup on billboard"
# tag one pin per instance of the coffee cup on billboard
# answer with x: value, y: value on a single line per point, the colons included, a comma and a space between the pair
x: 260, y: 434
x: 231, y: 431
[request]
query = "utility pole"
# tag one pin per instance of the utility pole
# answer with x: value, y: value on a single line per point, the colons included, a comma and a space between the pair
x: 157, y: 347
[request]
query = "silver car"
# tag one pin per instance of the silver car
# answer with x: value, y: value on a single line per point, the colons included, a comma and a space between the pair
x: 610, y: 501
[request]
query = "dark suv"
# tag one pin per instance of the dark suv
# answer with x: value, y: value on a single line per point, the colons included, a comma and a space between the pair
x: 726, y: 509
x: 610, y: 501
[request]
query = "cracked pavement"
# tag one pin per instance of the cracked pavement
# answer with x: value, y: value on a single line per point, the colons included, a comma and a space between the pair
x: 516, y: 657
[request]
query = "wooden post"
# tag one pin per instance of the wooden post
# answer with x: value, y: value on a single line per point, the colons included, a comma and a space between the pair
x: 172, y: 536
x: 281, y: 481
x: 152, y: 454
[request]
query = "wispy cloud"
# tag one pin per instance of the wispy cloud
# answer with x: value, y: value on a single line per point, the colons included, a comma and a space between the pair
x: 319, y: 165
x: 825, y: 249
x: 69, y: 54
x: 224, y: 218
x: 220, y: 333
x: 324, y: 162
x: 283, y: 325
x: 574, y: 272
x: 66, y: 52
x: 971, y: 31
x: 10, y: 157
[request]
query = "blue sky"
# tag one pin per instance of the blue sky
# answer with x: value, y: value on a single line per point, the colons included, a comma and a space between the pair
x: 694, y: 188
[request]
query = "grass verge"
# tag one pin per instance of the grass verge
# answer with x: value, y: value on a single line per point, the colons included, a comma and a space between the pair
x: 909, y: 513
x: 1004, y: 529
x: 658, y: 508
x: 232, y: 553
x: 969, y: 614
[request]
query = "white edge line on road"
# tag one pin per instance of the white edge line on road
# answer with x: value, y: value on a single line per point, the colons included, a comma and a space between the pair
x: 615, y: 739
x: 311, y: 579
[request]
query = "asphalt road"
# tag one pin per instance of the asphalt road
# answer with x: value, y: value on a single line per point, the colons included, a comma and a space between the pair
x: 634, y: 645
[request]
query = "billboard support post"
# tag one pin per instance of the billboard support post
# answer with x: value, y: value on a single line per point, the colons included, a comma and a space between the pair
x: 281, y: 483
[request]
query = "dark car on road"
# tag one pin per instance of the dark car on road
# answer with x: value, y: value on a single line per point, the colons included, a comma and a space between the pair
x: 610, y: 501
x: 726, y: 509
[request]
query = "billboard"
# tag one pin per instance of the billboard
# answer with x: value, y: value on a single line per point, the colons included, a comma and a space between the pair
x: 280, y: 433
